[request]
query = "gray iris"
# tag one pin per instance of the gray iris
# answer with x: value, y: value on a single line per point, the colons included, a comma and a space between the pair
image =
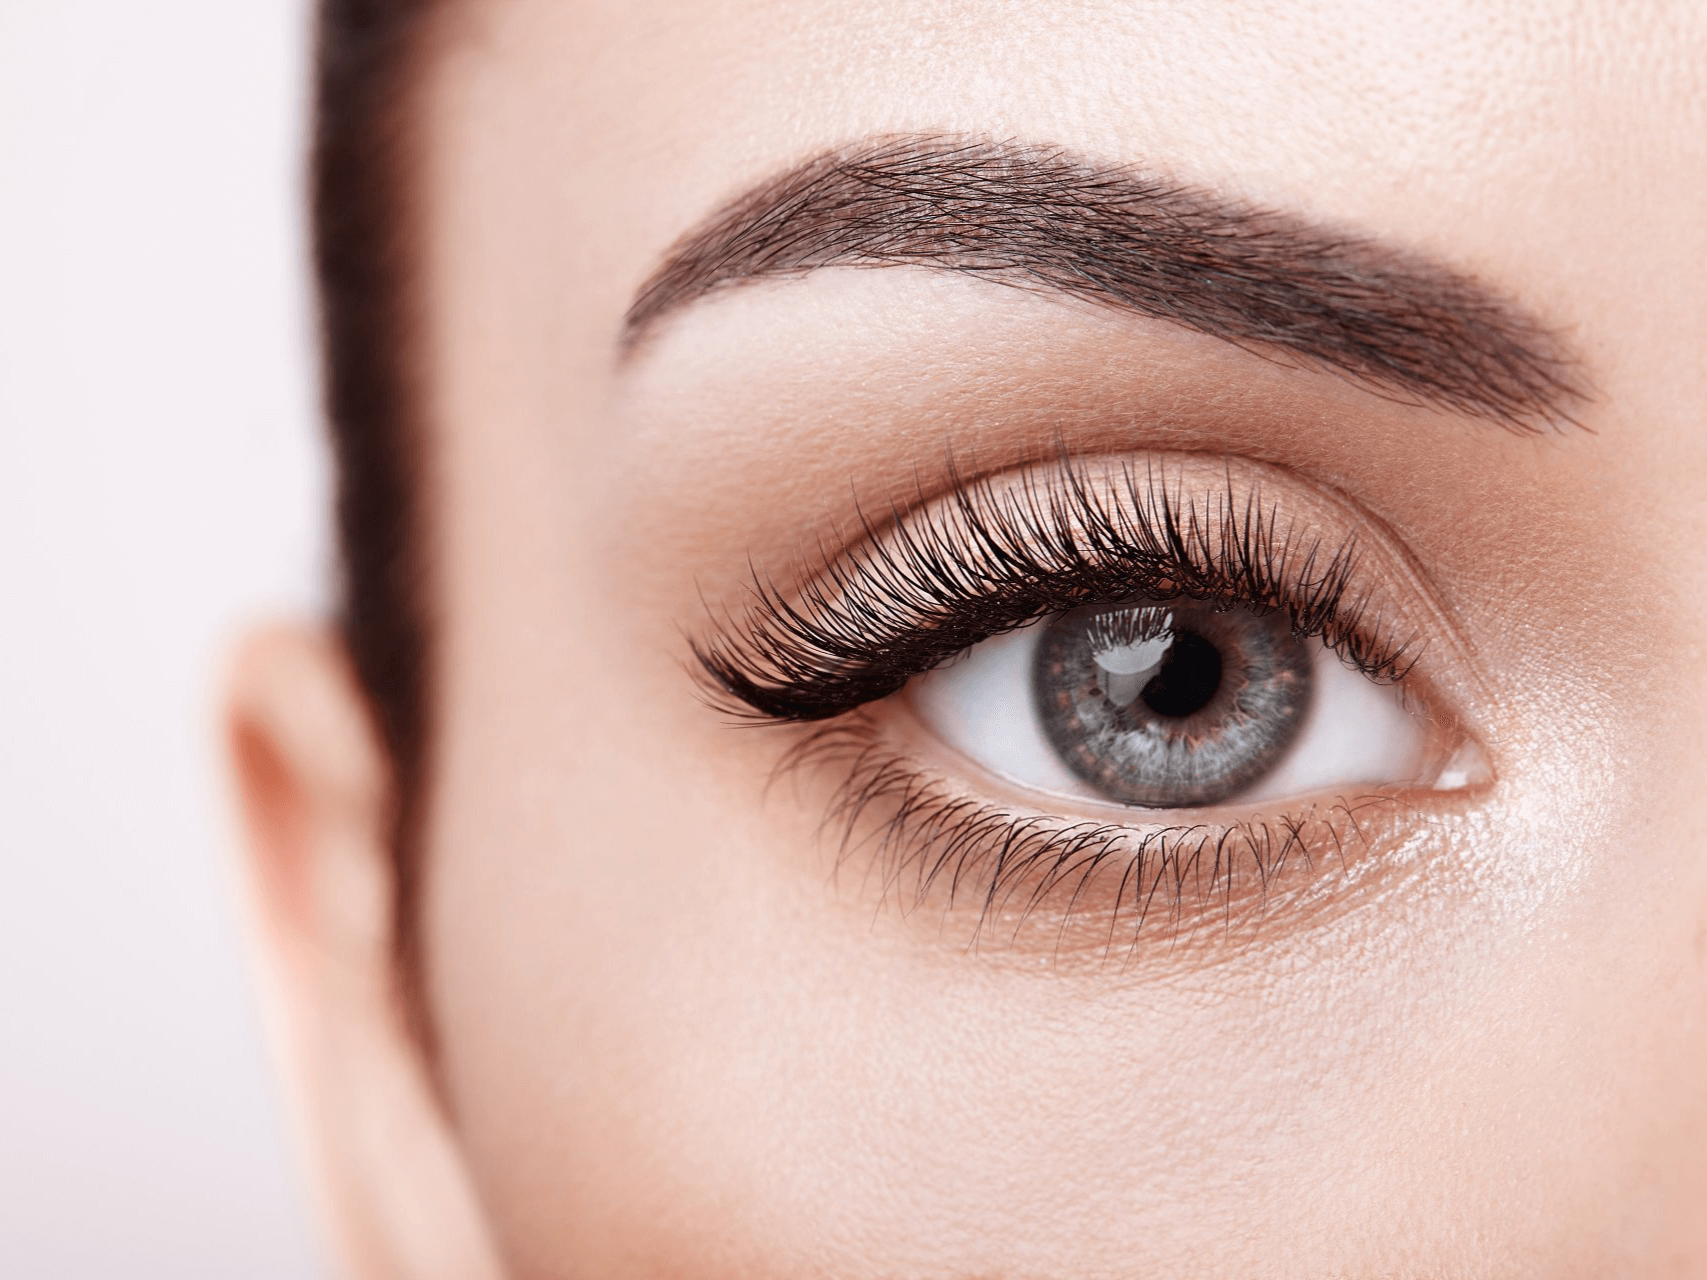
x: 1171, y: 704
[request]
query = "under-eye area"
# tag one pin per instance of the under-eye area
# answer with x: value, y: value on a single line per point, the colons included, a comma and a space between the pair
x: 1099, y: 701
x: 983, y: 868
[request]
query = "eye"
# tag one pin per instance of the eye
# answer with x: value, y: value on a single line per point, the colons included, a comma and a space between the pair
x: 1210, y: 636
x: 1168, y: 704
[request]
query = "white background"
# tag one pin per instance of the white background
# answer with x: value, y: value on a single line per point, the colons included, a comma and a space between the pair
x: 161, y: 483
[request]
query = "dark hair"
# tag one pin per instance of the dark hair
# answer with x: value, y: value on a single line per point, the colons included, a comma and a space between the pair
x: 369, y: 54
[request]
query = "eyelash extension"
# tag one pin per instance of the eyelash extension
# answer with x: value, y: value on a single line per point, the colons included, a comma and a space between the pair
x: 924, y: 837
x: 992, y: 559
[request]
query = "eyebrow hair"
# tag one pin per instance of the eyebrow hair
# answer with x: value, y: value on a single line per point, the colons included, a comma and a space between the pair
x: 1391, y: 320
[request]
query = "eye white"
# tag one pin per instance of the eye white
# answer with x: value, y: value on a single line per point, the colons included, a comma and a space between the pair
x: 981, y: 704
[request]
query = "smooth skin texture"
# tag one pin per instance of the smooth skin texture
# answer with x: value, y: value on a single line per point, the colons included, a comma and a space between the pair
x: 669, y: 1041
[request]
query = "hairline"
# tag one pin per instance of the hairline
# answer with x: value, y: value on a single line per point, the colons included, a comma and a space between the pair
x: 373, y: 67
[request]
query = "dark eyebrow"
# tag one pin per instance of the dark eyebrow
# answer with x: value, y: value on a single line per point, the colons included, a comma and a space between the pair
x: 1389, y: 319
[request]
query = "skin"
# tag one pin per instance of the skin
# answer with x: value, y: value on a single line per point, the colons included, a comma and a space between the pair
x: 667, y: 1039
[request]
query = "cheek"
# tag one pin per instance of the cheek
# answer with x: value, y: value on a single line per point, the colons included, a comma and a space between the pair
x: 677, y: 1041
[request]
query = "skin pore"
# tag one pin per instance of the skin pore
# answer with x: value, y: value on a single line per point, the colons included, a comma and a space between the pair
x: 671, y: 1023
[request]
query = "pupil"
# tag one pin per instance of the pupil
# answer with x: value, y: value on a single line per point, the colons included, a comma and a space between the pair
x: 1189, y: 676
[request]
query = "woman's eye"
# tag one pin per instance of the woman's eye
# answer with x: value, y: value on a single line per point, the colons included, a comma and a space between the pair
x: 1169, y: 704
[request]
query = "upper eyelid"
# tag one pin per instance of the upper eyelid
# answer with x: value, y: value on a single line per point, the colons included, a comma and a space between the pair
x: 805, y: 636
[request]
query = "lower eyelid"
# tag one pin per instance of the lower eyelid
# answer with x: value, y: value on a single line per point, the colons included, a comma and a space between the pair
x: 1099, y: 882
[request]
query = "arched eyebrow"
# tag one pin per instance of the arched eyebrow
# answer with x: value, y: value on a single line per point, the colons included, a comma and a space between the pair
x: 1389, y: 319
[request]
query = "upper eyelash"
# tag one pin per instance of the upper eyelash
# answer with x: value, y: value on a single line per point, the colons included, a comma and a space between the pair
x: 992, y: 559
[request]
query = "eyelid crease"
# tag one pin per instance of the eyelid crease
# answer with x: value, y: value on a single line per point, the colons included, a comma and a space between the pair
x: 1000, y: 551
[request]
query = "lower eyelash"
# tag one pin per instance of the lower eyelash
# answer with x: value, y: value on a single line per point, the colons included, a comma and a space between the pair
x: 926, y: 843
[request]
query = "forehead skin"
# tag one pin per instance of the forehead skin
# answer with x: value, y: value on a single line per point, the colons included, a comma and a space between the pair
x: 671, y: 1045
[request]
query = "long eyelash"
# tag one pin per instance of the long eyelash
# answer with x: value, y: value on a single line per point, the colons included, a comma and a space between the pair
x: 990, y: 560
x: 925, y: 839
